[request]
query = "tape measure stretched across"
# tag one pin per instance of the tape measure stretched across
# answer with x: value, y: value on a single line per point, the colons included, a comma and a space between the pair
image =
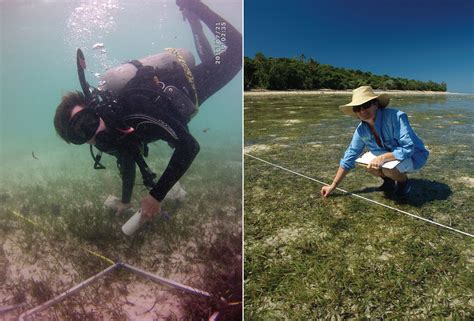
x: 45, y: 229
x: 362, y: 197
x: 30, y: 221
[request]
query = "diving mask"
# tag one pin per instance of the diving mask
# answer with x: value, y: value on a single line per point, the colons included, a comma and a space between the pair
x: 83, y: 126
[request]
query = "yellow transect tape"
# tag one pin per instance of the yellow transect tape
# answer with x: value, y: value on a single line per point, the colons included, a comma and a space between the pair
x: 46, y: 230
x: 98, y: 255
x: 29, y: 221
x: 187, y: 71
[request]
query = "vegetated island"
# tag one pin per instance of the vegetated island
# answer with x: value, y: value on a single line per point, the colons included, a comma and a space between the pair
x: 282, y: 74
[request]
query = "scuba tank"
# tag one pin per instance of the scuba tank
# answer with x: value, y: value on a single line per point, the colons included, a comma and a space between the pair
x: 130, y: 75
x: 115, y: 79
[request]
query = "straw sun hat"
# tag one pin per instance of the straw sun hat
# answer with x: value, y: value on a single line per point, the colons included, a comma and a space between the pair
x: 362, y: 95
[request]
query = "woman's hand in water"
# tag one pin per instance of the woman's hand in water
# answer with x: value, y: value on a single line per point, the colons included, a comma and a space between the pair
x: 150, y: 208
x: 326, y: 190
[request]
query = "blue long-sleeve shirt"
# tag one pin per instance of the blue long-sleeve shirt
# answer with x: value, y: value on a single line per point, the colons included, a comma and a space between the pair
x: 396, y: 136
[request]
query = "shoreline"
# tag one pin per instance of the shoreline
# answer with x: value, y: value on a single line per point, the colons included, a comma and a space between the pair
x: 347, y: 92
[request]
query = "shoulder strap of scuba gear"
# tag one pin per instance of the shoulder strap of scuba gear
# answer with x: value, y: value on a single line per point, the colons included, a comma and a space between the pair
x: 136, y: 63
x: 146, y: 85
x: 147, y: 174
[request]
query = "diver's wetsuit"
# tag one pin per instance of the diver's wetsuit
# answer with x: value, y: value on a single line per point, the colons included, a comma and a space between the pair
x: 154, y: 119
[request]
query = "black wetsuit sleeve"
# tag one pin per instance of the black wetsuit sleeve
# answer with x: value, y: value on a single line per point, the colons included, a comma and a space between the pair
x: 185, y: 150
x: 126, y: 163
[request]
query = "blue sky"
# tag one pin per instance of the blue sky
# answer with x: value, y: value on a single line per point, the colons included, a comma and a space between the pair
x: 416, y: 39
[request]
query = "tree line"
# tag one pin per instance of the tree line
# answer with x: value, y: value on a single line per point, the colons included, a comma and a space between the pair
x: 307, y: 74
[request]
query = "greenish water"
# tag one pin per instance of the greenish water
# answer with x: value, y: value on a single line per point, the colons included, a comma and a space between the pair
x: 39, y: 39
x: 343, y: 257
x: 59, y: 188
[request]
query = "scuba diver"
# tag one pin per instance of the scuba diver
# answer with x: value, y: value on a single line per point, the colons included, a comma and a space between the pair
x: 151, y: 99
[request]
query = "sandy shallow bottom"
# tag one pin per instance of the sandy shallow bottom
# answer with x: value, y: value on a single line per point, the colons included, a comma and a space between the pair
x: 136, y: 297
x: 186, y: 247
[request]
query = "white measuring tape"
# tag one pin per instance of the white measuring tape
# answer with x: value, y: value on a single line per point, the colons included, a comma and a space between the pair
x: 362, y: 197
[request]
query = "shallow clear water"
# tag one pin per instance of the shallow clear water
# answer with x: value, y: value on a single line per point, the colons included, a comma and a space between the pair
x: 309, y: 257
x: 307, y: 133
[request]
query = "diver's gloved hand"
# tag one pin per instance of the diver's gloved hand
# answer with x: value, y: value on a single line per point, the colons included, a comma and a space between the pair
x: 150, y: 208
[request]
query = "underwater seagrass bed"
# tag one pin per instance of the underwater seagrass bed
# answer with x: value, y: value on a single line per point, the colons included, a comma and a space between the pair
x: 200, y: 245
x: 312, y: 258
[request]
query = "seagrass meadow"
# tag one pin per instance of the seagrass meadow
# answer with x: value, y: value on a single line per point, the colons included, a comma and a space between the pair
x: 309, y: 258
x: 198, y: 245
